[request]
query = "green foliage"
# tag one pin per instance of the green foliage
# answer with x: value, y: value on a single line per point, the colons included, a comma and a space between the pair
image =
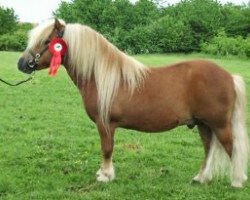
x: 204, y: 18
x: 237, y: 20
x: 49, y: 148
x: 122, y: 22
x: 107, y: 15
x: 8, y: 20
x: 169, y: 35
x: 162, y: 36
x: 13, y: 36
x: 17, y: 40
x: 247, y: 47
x: 223, y: 45
x: 145, y: 12
x: 150, y: 26
x: 137, y: 41
x: 11, y: 42
x: 66, y: 12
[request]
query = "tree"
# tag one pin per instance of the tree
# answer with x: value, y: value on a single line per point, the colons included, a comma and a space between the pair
x: 8, y: 20
x: 204, y: 18
x: 155, y: 26
x: 66, y: 12
x: 17, y: 40
x: 169, y: 35
x: 145, y: 12
x: 113, y: 18
x: 89, y: 12
x: 237, y: 20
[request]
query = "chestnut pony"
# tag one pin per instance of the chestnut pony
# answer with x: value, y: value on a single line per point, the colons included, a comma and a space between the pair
x: 119, y: 91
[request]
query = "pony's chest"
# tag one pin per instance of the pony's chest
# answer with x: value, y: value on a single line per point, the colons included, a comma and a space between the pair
x: 89, y: 98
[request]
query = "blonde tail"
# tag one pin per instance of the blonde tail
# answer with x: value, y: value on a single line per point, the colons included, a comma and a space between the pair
x: 240, y: 138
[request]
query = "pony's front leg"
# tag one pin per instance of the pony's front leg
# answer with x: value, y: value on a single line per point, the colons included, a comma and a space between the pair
x: 106, y: 172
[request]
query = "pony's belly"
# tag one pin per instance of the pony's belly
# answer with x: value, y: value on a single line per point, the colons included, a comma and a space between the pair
x: 151, y: 125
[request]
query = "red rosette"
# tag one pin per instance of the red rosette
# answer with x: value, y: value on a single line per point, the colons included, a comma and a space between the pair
x: 57, y: 48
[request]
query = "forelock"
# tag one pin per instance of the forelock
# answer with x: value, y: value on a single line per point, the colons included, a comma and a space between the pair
x: 41, y: 33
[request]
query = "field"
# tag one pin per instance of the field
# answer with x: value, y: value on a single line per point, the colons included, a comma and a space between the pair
x: 49, y: 149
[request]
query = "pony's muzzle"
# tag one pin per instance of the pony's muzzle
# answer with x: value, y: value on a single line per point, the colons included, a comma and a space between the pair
x: 24, y: 66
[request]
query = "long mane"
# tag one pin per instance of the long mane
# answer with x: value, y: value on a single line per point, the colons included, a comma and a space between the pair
x: 91, y: 55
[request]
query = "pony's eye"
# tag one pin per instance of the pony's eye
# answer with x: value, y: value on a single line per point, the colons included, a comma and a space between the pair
x: 46, y: 42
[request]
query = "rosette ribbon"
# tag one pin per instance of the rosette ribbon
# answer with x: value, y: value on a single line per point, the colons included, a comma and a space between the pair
x: 57, y: 48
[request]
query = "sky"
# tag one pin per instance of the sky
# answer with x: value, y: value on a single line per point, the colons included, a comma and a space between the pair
x: 37, y: 11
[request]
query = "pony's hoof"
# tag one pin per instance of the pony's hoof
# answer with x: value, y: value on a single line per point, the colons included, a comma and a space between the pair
x: 105, y: 175
x: 237, y: 184
x: 196, y: 179
x: 245, y: 177
x: 201, y: 179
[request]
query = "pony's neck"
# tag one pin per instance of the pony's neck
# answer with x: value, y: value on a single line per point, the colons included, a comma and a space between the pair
x: 74, y: 76
x: 91, y: 58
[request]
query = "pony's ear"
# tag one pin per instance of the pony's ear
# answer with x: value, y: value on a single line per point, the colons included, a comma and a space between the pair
x: 58, y: 25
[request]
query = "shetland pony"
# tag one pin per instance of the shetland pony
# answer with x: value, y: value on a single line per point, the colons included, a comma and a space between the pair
x: 119, y: 91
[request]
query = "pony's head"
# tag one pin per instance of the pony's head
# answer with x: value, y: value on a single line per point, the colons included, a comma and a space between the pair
x: 37, y: 55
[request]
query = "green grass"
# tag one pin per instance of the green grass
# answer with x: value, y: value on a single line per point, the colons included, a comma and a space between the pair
x: 49, y: 149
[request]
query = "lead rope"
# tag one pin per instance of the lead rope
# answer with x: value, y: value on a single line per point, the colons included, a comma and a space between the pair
x: 19, y: 82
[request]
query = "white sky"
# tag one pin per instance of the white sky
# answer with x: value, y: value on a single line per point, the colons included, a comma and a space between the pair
x: 37, y: 11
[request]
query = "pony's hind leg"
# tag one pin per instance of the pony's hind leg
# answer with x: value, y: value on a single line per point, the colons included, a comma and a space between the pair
x: 237, y: 149
x: 106, y: 172
x: 224, y: 135
x: 218, y: 151
x: 223, y: 149
x: 206, y: 138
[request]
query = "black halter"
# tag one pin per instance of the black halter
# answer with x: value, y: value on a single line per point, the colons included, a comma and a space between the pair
x: 33, y: 63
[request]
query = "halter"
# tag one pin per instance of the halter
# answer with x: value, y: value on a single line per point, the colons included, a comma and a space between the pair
x: 33, y: 63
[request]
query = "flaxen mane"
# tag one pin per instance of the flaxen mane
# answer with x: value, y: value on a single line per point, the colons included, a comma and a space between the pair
x: 91, y: 54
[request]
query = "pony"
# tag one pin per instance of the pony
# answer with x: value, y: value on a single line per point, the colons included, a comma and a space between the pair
x: 118, y: 91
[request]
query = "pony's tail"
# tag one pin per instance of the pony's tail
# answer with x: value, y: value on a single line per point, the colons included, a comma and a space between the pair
x: 240, y: 153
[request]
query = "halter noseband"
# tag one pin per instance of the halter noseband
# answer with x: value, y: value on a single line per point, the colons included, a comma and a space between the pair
x: 33, y: 63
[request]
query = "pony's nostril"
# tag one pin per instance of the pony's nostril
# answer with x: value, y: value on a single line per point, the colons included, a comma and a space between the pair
x: 31, y: 63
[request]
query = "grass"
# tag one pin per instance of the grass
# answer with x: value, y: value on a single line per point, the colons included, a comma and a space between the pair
x: 49, y: 149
